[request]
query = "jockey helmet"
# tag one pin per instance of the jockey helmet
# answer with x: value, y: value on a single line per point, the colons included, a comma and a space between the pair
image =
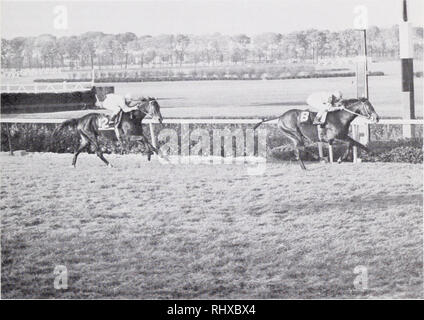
x: 337, y: 95
x: 128, y: 97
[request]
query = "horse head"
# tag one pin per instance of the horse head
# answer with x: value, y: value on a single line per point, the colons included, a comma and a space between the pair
x: 151, y: 107
x: 362, y: 107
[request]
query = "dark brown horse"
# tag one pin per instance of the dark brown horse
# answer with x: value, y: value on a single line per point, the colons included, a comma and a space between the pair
x: 130, y: 124
x: 297, y: 125
x: 87, y: 128
x: 129, y: 129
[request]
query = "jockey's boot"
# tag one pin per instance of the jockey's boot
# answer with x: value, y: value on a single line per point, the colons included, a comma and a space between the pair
x: 318, y: 122
x: 112, y: 121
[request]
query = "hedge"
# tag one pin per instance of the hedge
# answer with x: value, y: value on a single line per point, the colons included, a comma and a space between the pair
x: 38, y: 138
x: 51, y: 101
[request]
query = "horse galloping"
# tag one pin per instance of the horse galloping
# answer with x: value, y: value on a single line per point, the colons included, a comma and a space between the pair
x: 297, y: 125
x: 88, y: 129
x: 130, y: 128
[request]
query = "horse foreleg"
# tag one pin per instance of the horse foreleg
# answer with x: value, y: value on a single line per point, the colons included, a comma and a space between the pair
x: 355, y: 143
x: 149, y: 145
x: 315, y: 157
x: 120, y: 140
x: 99, y: 153
x: 346, y: 154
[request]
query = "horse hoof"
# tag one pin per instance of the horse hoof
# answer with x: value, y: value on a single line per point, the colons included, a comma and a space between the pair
x: 339, y: 161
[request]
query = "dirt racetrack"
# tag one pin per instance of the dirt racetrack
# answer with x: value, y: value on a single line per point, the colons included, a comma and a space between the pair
x: 150, y: 230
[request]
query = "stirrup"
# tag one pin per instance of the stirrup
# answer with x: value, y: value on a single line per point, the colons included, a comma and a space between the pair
x: 111, y: 125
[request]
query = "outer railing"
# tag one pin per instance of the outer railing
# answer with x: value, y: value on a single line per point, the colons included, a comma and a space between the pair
x: 46, y: 87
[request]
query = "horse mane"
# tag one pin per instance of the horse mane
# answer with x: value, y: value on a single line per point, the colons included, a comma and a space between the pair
x: 348, y: 102
x: 145, y: 99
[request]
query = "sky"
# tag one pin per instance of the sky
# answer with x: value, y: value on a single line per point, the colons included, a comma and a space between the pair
x: 32, y: 18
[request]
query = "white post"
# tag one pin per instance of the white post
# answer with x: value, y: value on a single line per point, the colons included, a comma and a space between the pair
x: 152, y: 134
x: 406, y: 52
x: 330, y: 153
x: 92, y: 78
x: 355, y: 149
x: 321, y: 153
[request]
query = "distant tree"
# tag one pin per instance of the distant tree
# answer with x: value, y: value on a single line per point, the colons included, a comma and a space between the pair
x: 72, y: 48
x: 265, y: 45
x: 6, y: 53
x: 126, y: 48
x: 28, y: 52
x: 47, y: 49
x: 164, y: 47
x: 89, y: 47
x: 124, y: 39
x: 109, y: 48
x: 318, y: 41
x: 418, y: 43
x: 17, y: 46
x: 181, y: 43
x: 240, y: 51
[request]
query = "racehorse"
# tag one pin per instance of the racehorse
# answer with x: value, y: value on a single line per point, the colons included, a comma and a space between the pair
x: 297, y: 125
x: 129, y: 126
x: 88, y: 129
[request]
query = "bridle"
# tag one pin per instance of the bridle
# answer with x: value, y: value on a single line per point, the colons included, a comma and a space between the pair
x: 142, y: 104
x: 368, y: 116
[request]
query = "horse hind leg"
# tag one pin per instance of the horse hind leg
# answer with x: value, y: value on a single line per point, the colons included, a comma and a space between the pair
x: 93, y: 141
x: 83, y: 144
x: 298, y: 157
x: 311, y: 154
x: 298, y: 144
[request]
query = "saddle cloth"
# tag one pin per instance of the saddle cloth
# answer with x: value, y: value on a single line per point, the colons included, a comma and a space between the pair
x: 307, y: 117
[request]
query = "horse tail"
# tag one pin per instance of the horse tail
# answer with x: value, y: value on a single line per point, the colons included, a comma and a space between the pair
x: 67, y: 123
x: 264, y: 120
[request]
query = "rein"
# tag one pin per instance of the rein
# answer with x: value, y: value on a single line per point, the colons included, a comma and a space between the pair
x: 355, y: 113
x: 143, y: 104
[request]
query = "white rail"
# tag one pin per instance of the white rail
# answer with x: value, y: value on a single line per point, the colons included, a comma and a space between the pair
x: 359, y: 122
x: 147, y: 121
x: 46, y: 87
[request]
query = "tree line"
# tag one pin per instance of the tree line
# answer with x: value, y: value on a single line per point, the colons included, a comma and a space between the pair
x: 97, y: 49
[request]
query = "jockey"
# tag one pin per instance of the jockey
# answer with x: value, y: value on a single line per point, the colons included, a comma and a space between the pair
x: 116, y: 103
x: 324, y: 102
